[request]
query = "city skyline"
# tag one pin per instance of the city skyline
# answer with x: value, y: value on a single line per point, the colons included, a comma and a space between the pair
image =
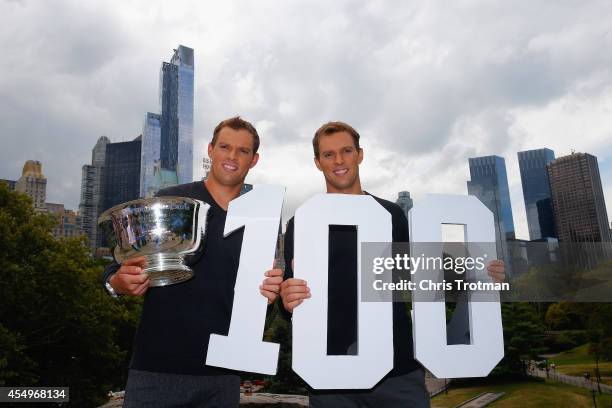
x: 425, y: 96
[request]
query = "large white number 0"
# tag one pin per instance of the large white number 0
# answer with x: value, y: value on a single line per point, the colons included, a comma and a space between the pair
x: 375, y: 320
x: 243, y: 349
x: 486, y: 347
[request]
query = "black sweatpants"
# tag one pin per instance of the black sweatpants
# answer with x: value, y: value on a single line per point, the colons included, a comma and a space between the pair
x: 404, y: 391
x: 149, y: 389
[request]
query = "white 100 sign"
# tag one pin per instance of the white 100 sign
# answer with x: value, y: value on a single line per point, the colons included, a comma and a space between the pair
x: 259, y: 213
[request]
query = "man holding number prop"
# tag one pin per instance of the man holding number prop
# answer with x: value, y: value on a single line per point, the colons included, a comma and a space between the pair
x: 167, y: 366
x: 338, y: 155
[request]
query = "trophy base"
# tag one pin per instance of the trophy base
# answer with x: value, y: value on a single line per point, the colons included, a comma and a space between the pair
x: 164, y: 270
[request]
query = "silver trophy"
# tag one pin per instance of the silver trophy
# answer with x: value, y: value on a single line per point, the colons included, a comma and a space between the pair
x: 165, y: 230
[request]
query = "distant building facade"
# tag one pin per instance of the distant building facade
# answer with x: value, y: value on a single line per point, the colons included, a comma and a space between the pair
x: 206, y: 164
x: 404, y: 201
x: 10, y: 183
x: 168, y: 137
x: 536, y: 192
x: 150, y: 152
x: 162, y: 178
x: 578, y: 200
x: 69, y: 223
x: 33, y: 183
x: 92, y: 192
x: 121, y: 172
x: 246, y: 187
x: 489, y: 183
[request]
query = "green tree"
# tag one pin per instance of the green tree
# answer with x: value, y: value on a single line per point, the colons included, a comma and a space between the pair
x: 599, y: 331
x: 567, y: 315
x: 58, y: 327
x: 523, y: 338
x: 278, y: 330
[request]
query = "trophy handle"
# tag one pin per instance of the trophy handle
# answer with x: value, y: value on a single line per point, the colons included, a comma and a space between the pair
x: 199, y: 222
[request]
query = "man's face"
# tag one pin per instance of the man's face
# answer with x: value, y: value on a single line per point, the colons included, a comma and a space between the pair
x: 232, y: 156
x: 339, y: 161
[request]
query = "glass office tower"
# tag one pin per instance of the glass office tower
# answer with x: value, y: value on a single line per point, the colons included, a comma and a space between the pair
x: 150, y: 151
x: 168, y: 137
x: 183, y: 59
x: 536, y: 192
x: 489, y: 183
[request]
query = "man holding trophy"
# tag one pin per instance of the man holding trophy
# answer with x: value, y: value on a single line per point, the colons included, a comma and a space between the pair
x: 170, y: 345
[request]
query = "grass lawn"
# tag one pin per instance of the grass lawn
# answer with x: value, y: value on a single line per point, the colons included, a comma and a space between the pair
x: 577, y: 361
x: 525, y: 394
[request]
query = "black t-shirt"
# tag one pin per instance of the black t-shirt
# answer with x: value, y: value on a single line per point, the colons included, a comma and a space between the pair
x: 342, y: 306
x: 177, y: 320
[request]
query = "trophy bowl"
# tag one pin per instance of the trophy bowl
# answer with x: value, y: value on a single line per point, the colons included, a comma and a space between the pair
x: 164, y: 230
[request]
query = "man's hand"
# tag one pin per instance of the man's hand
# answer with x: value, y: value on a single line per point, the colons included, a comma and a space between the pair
x: 271, y: 285
x: 496, y: 270
x: 293, y: 292
x: 129, y: 279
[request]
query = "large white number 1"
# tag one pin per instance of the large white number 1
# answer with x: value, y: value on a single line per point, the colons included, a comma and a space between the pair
x: 243, y: 349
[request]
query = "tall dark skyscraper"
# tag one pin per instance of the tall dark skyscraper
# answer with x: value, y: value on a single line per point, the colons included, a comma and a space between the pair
x: 92, y: 192
x: 122, y: 172
x: 536, y: 192
x: 489, y: 183
x: 168, y: 137
x: 168, y: 152
x: 578, y: 200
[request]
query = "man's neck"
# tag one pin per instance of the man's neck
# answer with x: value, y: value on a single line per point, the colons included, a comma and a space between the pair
x: 354, y: 189
x: 222, y: 194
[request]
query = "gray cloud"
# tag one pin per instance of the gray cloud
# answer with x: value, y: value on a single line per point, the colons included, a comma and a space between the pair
x: 428, y: 84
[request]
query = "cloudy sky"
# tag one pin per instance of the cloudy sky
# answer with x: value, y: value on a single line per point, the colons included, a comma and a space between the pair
x: 427, y: 84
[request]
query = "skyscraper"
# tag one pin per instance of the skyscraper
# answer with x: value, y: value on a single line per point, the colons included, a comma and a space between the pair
x: 489, y: 183
x: 578, y: 200
x: 536, y: 192
x: 33, y: 183
x: 168, y: 137
x: 121, y: 172
x: 404, y: 201
x: 92, y: 192
x: 150, y: 153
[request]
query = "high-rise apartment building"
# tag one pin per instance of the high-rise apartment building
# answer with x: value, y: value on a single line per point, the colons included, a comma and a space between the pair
x: 489, y: 183
x: 536, y: 192
x: 168, y: 137
x: 92, y: 192
x: 578, y: 200
x: 404, y: 201
x: 33, y: 183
